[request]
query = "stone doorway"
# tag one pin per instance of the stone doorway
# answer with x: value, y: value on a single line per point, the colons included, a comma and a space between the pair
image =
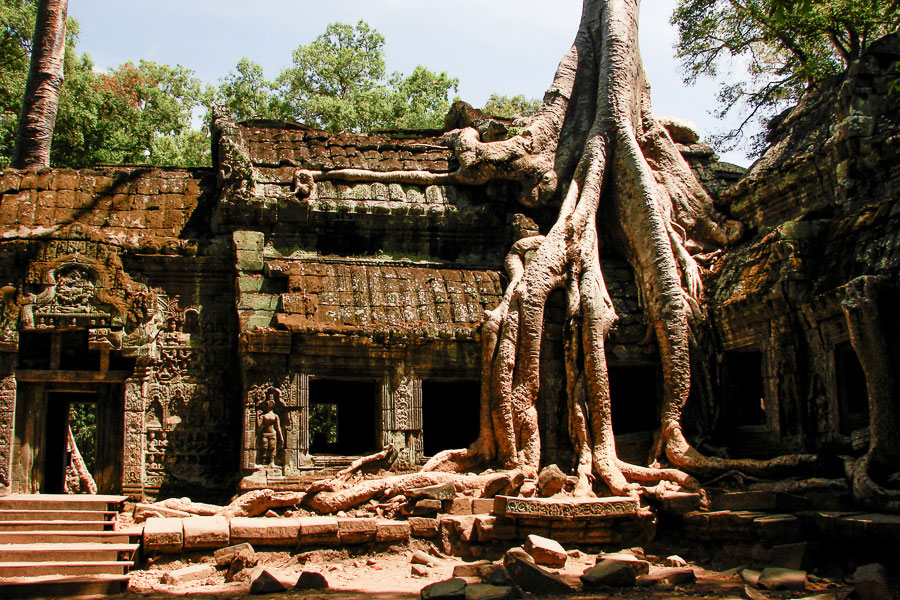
x: 62, y: 408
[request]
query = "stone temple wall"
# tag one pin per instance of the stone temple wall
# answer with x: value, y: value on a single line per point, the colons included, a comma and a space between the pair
x: 823, y: 206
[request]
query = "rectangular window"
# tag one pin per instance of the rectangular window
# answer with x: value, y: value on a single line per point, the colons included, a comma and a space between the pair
x: 450, y: 414
x: 852, y: 392
x: 744, y: 399
x: 633, y: 393
x: 344, y: 417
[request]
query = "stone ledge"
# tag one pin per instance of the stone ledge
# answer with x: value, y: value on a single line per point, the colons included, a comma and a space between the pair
x: 566, y: 508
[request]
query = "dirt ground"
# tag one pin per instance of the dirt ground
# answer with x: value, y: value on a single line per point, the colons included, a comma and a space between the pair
x: 387, y: 575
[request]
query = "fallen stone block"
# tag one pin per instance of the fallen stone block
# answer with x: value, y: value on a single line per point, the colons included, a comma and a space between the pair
x: 265, y: 531
x: 472, y: 569
x: 419, y: 570
x: 482, y: 506
x: 356, y: 531
x: 449, y: 589
x: 566, y: 508
x: 490, y: 528
x: 750, y: 577
x: 459, y: 506
x: 423, y: 527
x: 532, y: 578
x: 495, y: 575
x: 519, y: 553
x: 142, y: 512
x: 318, y: 531
x: 240, y: 563
x: 670, y: 575
x: 440, y: 491
x: 774, y: 529
x: 186, y: 574
x: 870, y: 582
x: 550, y: 481
x: 546, y: 551
x: 680, y: 503
x: 609, y: 572
x: 311, y: 580
x: 640, y: 567
x: 267, y: 580
x: 206, y: 532
x: 773, y: 578
x: 674, y: 561
x: 163, y: 535
x: 391, y: 531
x: 796, y: 556
x: 484, y: 591
x: 461, y: 527
x: 223, y: 556
x: 427, y: 506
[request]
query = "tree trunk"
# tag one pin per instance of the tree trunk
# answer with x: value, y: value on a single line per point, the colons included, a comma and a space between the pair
x: 34, y: 130
x: 596, y: 150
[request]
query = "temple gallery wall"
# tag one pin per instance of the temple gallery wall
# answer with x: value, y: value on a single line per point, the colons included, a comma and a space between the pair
x: 244, y: 328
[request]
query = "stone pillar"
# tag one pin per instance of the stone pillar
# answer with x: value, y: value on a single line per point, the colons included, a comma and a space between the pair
x: 303, y: 417
x: 7, y: 430
x: 402, y: 413
x: 133, y: 443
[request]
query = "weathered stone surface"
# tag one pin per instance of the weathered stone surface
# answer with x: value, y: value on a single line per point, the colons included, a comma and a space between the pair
x: 495, y: 575
x: 532, y: 578
x: 609, y: 572
x: 163, y: 535
x: 356, y: 530
x: 796, y: 556
x: 550, y: 480
x: 142, y: 512
x: 680, y: 503
x: 471, y: 569
x: 682, y: 130
x: 640, y: 567
x: 671, y: 575
x: 870, y: 582
x: 565, y: 508
x: 482, y: 506
x: 311, y: 580
x: 391, y: 531
x: 206, y: 532
x: 422, y: 527
x: 223, y: 555
x: 450, y: 589
x: 314, y: 531
x: 483, y: 591
x: 490, y: 528
x: 422, y: 558
x: 419, y: 570
x: 773, y: 578
x: 545, y: 551
x: 265, y: 531
x: 240, y: 563
x: 460, y: 506
x: 441, y: 491
x: 186, y: 574
x: 427, y: 506
x: 268, y: 580
x: 674, y: 561
x: 517, y: 553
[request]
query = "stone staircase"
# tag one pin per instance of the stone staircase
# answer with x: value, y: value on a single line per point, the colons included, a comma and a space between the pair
x: 63, y: 545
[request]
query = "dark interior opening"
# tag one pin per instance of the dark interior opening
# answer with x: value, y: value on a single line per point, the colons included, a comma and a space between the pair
x: 59, y: 418
x: 744, y: 398
x: 344, y: 417
x: 450, y: 414
x: 634, y: 396
x: 74, y: 354
x: 34, y: 350
x: 852, y: 392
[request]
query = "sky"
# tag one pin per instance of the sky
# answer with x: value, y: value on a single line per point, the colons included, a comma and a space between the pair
x: 492, y: 46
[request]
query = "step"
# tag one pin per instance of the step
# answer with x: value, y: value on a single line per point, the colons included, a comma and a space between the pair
x: 43, y: 525
x: 57, y: 515
x: 61, y: 502
x: 50, y: 586
x: 49, y: 536
x: 64, y: 552
x: 36, y: 568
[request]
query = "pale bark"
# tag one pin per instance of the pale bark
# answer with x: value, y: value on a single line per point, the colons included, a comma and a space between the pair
x: 34, y: 131
x: 86, y: 483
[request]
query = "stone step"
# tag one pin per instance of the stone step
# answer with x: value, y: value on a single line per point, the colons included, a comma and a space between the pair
x: 61, y: 502
x: 53, y: 586
x: 49, y: 536
x: 42, y: 525
x: 56, y: 515
x: 65, y: 552
x: 38, y: 568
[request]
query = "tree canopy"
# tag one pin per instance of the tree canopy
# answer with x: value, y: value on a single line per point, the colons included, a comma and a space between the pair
x: 339, y: 82
x: 767, y: 53
x: 508, y: 107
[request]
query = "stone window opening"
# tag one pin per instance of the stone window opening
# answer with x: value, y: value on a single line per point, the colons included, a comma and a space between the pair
x: 852, y: 392
x: 344, y: 417
x: 744, y: 402
x: 634, y: 394
x: 450, y: 414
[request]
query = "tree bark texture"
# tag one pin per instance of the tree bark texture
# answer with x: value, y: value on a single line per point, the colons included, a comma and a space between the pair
x: 34, y: 131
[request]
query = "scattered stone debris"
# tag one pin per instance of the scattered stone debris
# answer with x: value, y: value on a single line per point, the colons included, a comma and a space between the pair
x: 870, y: 582
x: 311, y: 580
x: 545, y: 551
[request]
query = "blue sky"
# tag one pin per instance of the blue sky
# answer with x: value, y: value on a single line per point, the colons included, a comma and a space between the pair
x: 504, y: 46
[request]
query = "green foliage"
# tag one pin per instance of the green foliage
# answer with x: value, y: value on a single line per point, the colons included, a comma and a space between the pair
x: 784, y: 46
x: 509, y: 107
x: 339, y: 83
x: 323, y: 424
x: 83, y: 421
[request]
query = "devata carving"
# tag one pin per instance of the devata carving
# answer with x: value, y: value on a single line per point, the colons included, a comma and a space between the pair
x: 268, y: 425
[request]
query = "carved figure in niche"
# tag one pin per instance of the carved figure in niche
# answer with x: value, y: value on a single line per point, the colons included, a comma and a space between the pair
x: 155, y: 414
x: 178, y: 408
x: 268, y: 426
x: 74, y: 290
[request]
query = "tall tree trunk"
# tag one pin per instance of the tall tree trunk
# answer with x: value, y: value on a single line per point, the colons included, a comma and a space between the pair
x: 596, y: 150
x: 34, y: 131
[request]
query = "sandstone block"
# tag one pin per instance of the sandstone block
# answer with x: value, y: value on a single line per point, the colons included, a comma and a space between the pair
x: 459, y: 506
x: 310, y: 580
x: 142, y: 512
x: 265, y: 531
x: 609, y: 572
x: 470, y: 569
x: 206, y: 532
x: 670, y: 575
x: 318, y: 531
x: 640, y: 567
x: 427, y: 506
x: 484, y: 591
x: 490, y: 528
x: 532, y: 578
x: 450, y: 589
x: 423, y: 527
x: 356, y: 531
x: 440, y: 491
x: 186, y: 574
x: 267, y: 580
x: 391, y: 531
x: 566, y: 508
x: 223, y: 556
x: 482, y: 506
x: 163, y: 535
x: 422, y: 558
x: 774, y: 578
x: 546, y: 551
x: 870, y: 582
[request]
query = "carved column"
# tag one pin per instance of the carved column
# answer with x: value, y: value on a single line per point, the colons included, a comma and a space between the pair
x: 7, y: 429
x: 133, y: 444
x: 303, y: 415
x: 402, y: 413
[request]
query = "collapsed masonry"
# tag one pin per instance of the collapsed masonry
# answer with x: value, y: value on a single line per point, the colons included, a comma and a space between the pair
x: 249, y: 326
